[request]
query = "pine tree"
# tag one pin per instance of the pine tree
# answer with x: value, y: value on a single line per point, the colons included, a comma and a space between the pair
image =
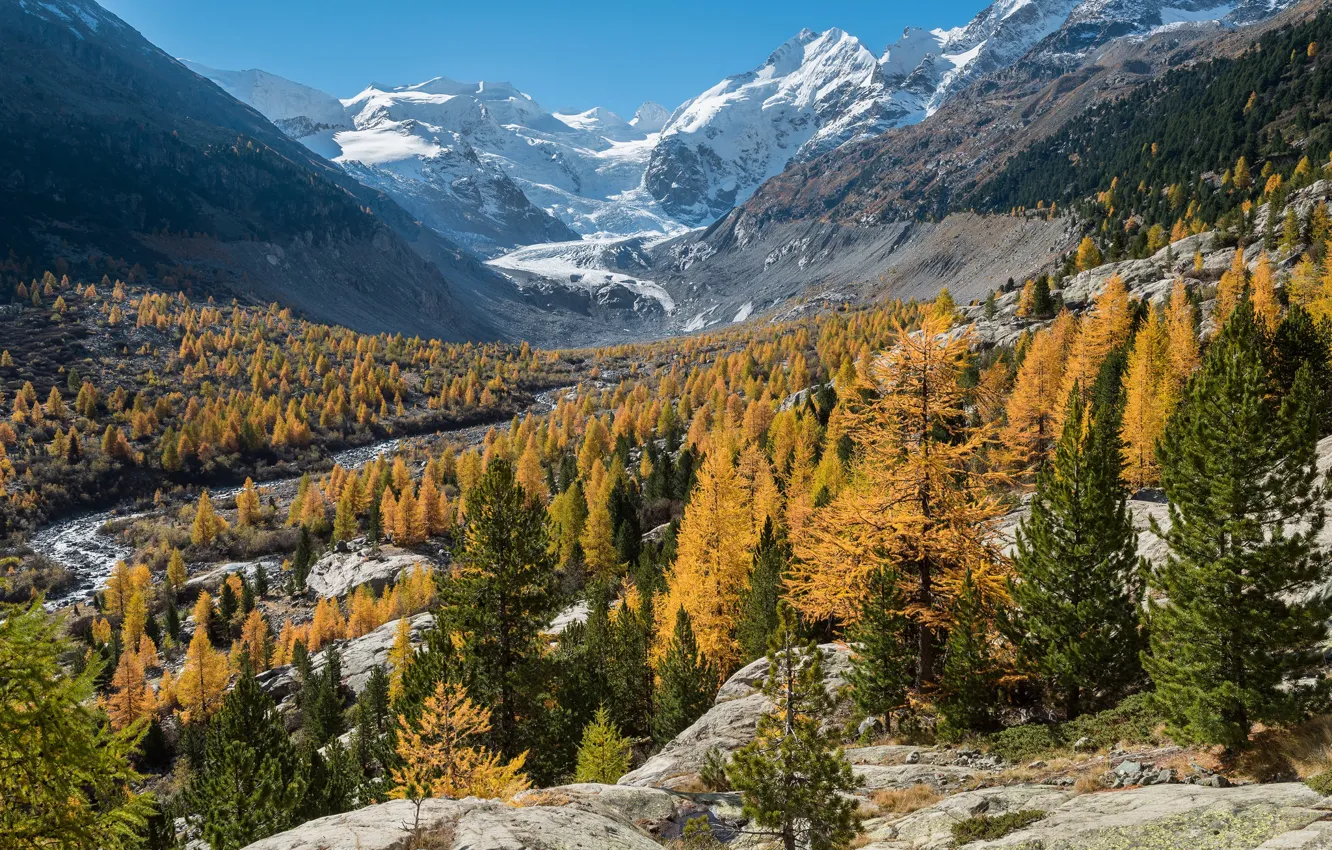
x: 686, y: 682
x: 758, y: 605
x: 250, y: 781
x: 302, y: 560
x: 1246, y: 505
x: 321, y: 701
x: 604, y: 755
x: 502, y: 596
x: 884, y: 639
x: 793, y: 781
x: 970, y: 680
x: 1076, y: 586
x: 629, y: 673
x: 67, y: 781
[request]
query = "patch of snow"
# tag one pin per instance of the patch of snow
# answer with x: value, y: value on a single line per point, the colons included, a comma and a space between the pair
x: 743, y: 313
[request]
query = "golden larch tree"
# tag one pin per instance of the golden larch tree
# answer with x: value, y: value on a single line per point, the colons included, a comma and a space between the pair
x: 918, y: 499
x: 441, y: 755
x: 203, y: 679
x: 713, y: 558
x: 1149, y: 394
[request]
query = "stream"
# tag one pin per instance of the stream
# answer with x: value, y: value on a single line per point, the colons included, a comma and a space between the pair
x: 79, y: 544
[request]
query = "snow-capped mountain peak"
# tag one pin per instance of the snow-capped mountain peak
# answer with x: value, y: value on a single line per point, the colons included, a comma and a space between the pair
x: 651, y: 117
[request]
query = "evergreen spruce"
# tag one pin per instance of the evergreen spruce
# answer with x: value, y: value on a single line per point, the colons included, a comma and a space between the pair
x: 250, y: 782
x: 629, y: 669
x: 970, y: 680
x: 1241, y: 621
x: 1298, y: 342
x: 321, y: 701
x: 758, y: 606
x: 302, y: 560
x: 502, y: 597
x: 793, y: 781
x: 686, y: 683
x: 885, y: 662
x: 1076, y: 586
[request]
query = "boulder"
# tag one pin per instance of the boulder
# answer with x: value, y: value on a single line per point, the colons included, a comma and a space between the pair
x: 1279, y: 815
x: 471, y: 824
x: 339, y: 573
x: 729, y: 724
x: 359, y: 658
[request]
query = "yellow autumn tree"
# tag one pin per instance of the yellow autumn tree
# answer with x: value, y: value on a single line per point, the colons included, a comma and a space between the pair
x: 713, y: 557
x: 247, y: 504
x: 256, y: 640
x: 530, y: 474
x: 1030, y: 433
x: 203, y: 679
x: 175, y: 572
x: 131, y: 699
x: 1184, y: 356
x: 918, y: 498
x: 1149, y: 398
x: 1230, y: 289
x: 1266, y: 308
x: 1089, y: 256
x: 442, y: 757
x: 400, y: 655
x: 207, y: 523
x: 1101, y: 331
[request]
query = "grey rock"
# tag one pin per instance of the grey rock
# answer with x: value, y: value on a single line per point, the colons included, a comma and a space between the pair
x: 472, y: 824
x: 338, y: 573
x: 1153, y: 816
x: 730, y: 723
x: 360, y: 656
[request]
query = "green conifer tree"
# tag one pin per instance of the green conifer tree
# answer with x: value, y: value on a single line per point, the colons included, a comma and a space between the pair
x: 502, y: 597
x: 970, y: 680
x: 793, y: 781
x: 604, y: 755
x: 885, y: 662
x: 250, y: 782
x: 686, y: 683
x: 1239, y: 466
x: 1076, y: 586
x: 758, y: 606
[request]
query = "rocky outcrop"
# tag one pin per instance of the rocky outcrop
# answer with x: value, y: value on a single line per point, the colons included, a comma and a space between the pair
x: 360, y: 656
x: 339, y: 573
x: 729, y: 724
x: 1282, y: 815
x: 471, y: 824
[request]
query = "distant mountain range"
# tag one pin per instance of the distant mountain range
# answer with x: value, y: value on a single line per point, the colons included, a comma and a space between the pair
x: 487, y: 166
x: 466, y: 210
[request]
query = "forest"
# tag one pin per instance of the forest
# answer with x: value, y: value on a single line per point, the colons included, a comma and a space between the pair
x: 1103, y: 528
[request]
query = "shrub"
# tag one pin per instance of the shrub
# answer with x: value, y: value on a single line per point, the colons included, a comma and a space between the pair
x: 713, y: 776
x: 1132, y: 721
x: 1322, y: 783
x: 986, y: 828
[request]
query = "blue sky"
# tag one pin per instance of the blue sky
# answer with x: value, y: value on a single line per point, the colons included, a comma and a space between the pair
x: 579, y: 55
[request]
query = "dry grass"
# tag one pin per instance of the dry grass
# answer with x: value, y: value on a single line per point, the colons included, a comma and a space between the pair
x: 1296, y: 752
x: 1088, y: 783
x: 542, y: 797
x: 902, y: 801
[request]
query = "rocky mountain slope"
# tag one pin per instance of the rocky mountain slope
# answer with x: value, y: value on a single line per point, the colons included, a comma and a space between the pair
x: 115, y: 153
